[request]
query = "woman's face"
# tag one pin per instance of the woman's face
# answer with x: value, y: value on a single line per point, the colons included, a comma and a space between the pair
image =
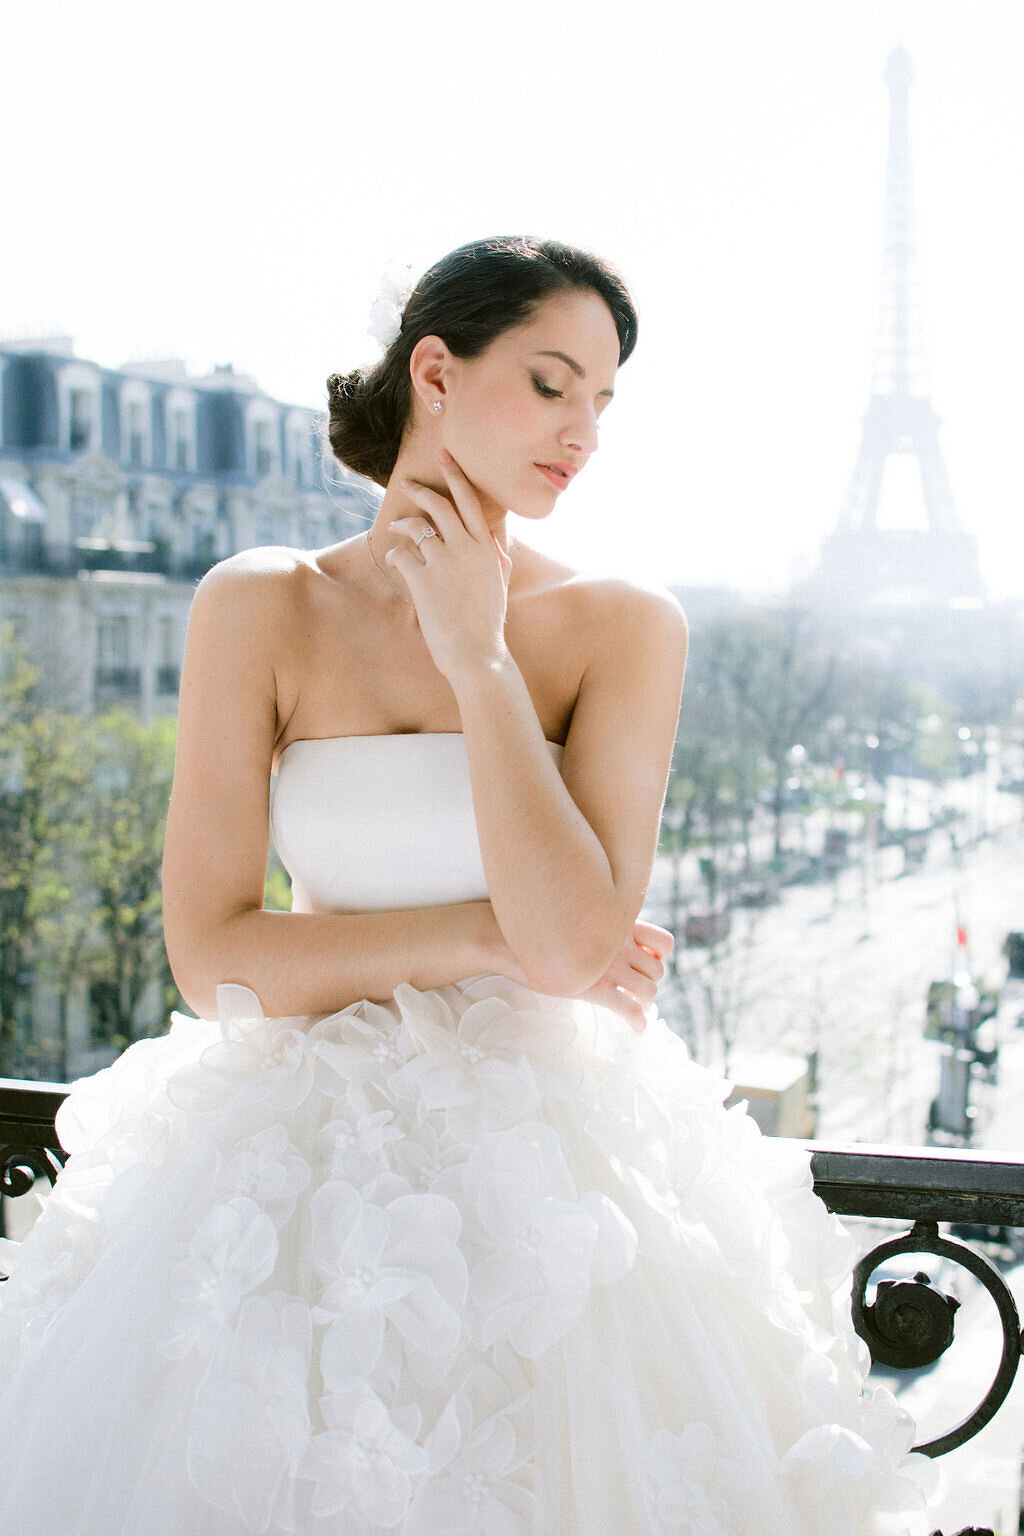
x: 521, y: 419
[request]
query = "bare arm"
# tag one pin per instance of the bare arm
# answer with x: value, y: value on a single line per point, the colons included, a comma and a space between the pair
x: 568, y: 856
x: 215, y: 852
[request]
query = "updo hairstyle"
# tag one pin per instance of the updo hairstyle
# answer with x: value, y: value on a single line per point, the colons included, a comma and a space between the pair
x: 468, y: 299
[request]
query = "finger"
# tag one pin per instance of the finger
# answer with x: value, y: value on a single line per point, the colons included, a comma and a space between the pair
x: 647, y: 963
x: 504, y: 562
x: 644, y: 984
x: 464, y: 492
x: 621, y: 1001
x: 417, y: 529
x: 406, y: 561
x: 441, y: 511
x: 629, y: 1008
x: 654, y: 939
x: 644, y: 988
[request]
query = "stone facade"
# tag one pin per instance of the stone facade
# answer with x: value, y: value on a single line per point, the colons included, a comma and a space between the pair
x: 118, y: 489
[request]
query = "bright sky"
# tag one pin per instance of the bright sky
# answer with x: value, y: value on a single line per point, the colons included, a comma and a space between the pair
x: 225, y: 181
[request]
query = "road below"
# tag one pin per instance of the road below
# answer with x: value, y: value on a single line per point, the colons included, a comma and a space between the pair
x: 842, y: 968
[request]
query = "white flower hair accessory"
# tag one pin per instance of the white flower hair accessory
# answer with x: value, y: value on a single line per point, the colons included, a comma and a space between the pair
x: 386, y: 310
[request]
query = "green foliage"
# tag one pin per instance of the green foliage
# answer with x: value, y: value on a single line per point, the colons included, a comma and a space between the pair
x: 82, y: 810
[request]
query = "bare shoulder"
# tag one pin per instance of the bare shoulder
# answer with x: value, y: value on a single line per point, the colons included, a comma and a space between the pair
x: 635, y: 603
x: 610, y: 608
x: 261, y: 589
x: 272, y: 576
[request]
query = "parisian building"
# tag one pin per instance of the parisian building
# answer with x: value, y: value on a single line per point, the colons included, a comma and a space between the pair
x: 120, y: 488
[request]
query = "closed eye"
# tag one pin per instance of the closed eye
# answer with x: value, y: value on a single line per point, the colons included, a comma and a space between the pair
x: 545, y: 389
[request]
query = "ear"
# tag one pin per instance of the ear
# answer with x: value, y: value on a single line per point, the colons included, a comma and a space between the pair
x: 430, y: 364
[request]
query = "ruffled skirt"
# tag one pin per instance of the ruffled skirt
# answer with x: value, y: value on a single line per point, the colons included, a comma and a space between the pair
x: 474, y: 1263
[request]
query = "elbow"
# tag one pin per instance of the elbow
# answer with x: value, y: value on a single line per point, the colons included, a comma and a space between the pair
x: 568, y: 970
x: 198, y: 990
x: 199, y: 963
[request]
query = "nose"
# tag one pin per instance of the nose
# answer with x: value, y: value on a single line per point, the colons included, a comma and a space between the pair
x: 580, y: 434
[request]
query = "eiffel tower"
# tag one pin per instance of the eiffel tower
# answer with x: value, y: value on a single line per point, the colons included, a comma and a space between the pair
x: 862, y: 563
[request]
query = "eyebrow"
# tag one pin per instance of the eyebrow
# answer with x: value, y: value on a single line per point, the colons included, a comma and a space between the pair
x: 578, y: 370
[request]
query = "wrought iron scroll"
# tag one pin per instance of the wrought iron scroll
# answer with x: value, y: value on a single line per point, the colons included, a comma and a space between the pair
x: 911, y: 1323
x: 29, y: 1148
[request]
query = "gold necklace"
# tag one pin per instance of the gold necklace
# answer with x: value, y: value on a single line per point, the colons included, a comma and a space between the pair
x: 376, y: 562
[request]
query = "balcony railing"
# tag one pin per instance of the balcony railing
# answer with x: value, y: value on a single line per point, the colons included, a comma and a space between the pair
x: 910, y: 1323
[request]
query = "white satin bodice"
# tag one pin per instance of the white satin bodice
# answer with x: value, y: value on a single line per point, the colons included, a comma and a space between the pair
x: 372, y: 823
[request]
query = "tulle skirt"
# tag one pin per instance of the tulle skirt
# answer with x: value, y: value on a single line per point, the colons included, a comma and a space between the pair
x: 474, y: 1263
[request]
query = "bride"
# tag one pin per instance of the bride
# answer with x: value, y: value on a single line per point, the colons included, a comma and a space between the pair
x: 425, y: 1224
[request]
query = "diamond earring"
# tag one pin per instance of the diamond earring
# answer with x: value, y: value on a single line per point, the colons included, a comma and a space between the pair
x: 438, y: 406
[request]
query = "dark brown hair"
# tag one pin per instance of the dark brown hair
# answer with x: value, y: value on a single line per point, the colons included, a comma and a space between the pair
x: 468, y: 298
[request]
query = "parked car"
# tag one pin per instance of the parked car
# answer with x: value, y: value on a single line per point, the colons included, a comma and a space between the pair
x: 706, y: 925
x: 754, y: 893
x: 1013, y: 949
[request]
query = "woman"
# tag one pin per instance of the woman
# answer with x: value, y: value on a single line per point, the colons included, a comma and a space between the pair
x: 390, y: 1249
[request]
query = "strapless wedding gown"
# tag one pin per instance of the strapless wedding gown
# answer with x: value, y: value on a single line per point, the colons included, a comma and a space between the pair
x: 471, y: 1263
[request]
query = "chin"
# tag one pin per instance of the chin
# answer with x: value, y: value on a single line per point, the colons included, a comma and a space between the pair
x: 531, y: 511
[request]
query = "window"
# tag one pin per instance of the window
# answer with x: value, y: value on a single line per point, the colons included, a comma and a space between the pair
x: 263, y: 449
x: 167, y: 677
x: 298, y: 429
x: 180, y: 407
x: 165, y: 639
x: 180, y: 439
x: 114, y: 641
x: 78, y: 392
x: 262, y: 438
x: 136, y: 436
x: 80, y: 432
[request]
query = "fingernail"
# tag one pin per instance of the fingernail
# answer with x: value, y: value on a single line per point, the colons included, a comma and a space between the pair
x: 445, y: 456
x: 405, y: 482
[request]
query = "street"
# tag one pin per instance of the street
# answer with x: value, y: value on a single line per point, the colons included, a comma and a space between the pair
x: 842, y: 968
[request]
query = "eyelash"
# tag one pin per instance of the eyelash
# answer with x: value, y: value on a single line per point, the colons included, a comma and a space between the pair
x: 545, y: 389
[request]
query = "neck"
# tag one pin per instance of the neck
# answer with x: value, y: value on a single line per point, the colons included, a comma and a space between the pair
x: 397, y: 504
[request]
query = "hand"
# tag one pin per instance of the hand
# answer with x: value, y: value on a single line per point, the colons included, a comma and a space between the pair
x: 456, y: 572
x: 629, y: 985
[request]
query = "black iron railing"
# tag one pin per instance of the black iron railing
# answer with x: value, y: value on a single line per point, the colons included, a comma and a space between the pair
x: 909, y: 1323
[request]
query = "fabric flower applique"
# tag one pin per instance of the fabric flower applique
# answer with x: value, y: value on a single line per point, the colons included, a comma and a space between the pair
x: 266, y: 1168
x: 355, y: 1147
x: 367, y: 1462
x: 533, y: 1244
x: 397, y: 1263
x: 255, y: 1061
x: 480, y: 1483
x: 855, y: 1461
x: 385, y: 320
x: 477, y: 1067
x: 684, y: 1479
x: 44, y: 1269
x: 255, y: 1394
x: 425, y: 1154
x: 361, y: 1047
x: 233, y: 1251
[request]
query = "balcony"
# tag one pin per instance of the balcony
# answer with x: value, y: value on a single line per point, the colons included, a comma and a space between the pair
x: 909, y: 1323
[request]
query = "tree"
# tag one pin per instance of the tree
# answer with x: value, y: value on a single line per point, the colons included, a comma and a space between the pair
x: 130, y: 766
x: 42, y: 785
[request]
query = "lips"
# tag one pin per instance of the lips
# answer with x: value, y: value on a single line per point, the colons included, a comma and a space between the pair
x: 558, y: 474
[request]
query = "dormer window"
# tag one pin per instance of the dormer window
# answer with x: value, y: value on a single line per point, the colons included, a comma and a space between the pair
x: 180, y: 439
x: 180, y: 408
x: 136, y: 419
x: 298, y: 435
x: 136, y: 441
x: 80, y: 427
x: 263, y: 451
x: 79, y: 396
